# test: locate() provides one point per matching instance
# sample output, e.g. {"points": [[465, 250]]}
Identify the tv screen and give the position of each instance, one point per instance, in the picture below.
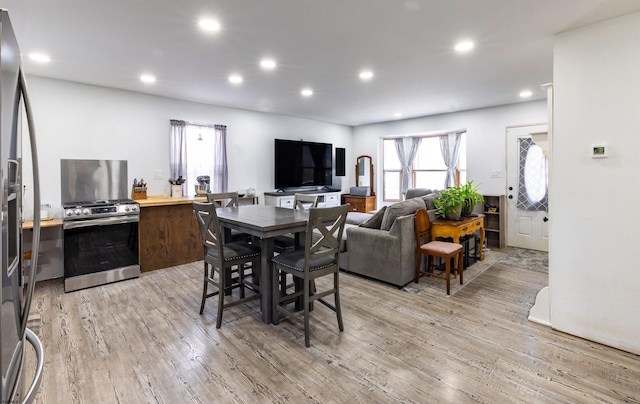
{"points": [[302, 164]]}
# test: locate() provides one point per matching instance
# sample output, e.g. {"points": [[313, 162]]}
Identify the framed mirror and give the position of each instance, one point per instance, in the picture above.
{"points": [[364, 172]]}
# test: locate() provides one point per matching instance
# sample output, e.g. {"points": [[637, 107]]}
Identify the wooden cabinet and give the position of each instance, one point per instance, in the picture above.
{"points": [[360, 203], [495, 221], [169, 236]]}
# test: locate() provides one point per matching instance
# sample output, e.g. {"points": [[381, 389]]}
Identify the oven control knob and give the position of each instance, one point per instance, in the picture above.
{"points": [[69, 212], [77, 212], [126, 209], [134, 208], [85, 211]]}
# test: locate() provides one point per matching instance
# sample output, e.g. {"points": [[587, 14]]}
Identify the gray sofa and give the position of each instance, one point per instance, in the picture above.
{"points": [[382, 245]]}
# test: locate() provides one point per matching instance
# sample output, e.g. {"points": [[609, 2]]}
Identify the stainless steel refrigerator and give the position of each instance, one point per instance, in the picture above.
{"points": [[17, 287]]}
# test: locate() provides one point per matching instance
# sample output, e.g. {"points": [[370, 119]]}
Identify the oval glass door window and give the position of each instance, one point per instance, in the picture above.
{"points": [[535, 174]]}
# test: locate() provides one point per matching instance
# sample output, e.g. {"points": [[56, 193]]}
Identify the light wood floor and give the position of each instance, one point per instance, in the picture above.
{"points": [[143, 341]]}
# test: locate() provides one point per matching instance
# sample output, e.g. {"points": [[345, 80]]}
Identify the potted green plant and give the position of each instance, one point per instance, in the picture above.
{"points": [[469, 193], [449, 204]]}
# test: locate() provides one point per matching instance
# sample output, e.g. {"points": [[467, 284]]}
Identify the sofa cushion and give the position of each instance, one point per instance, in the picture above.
{"points": [[375, 221], [403, 208], [357, 217], [416, 192]]}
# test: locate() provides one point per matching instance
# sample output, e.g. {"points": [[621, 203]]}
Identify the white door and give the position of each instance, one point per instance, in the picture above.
{"points": [[527, 190]]}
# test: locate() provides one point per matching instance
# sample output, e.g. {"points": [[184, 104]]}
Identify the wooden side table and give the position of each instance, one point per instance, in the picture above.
{"points": [[455, 229]]}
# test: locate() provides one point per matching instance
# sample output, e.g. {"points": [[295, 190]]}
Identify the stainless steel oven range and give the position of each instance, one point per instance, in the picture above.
{"points": [[100, 242]]}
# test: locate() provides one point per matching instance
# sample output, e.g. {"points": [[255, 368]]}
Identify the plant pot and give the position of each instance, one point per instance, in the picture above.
{"points": [[467, 209], [454, 213]]}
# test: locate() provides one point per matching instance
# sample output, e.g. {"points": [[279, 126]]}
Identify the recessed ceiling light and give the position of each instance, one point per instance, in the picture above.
{"points": [[366, 75], [39, 57], [209, 25], [307, 92], [397, 115], [148, 78], [268, 64], [235, 79], [464, 46], [526, 94]]}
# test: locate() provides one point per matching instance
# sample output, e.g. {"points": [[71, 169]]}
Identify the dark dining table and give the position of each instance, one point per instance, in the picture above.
{"points": [[264, 222]]}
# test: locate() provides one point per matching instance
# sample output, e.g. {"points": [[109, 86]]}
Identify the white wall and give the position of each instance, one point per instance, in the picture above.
{"points": [[76, 121], [486, 137], [594, 271]]}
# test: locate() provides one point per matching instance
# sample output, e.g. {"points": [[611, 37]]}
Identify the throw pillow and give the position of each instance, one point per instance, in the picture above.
{"points": [[375, 221], [408, 207], [428, 201]]}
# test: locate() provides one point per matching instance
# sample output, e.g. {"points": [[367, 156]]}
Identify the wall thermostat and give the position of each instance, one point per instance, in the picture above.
{"points": [[599, 151]]}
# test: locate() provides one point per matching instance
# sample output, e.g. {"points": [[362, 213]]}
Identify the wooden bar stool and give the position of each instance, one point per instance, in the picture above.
{"points": [[442, 249]]}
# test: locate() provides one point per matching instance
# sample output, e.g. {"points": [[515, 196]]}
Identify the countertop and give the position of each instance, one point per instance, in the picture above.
{"points": [[161, 200], [28, 224]]}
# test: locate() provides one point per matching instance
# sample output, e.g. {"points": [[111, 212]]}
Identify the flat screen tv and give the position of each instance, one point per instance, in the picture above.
{"points": [[302, 164]]}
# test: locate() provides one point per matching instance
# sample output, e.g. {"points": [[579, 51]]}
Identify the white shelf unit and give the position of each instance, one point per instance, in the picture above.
{"points": [[325, 200]]}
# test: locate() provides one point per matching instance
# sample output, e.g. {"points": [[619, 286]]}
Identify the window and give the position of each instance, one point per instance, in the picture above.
{"points": [[199, 150], [533, 177], [428, 169], [200, 154], [392, 177]]}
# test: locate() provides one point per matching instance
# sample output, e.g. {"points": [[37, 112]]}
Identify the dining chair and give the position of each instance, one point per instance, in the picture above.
{"points": [[441, 249], [287, 242], [221, 257], [302, 202], [223, 199], [228, 200], [320, 257]]}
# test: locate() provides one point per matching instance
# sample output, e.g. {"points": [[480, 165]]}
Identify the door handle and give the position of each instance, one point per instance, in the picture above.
{"points": [[510, 196]]}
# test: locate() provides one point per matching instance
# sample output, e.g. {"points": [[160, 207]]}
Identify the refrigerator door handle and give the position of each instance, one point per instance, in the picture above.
{"points": [[30, 336], [36, 203], [35, 384]]}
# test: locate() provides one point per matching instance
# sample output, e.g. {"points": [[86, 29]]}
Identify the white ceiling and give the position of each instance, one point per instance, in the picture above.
{"points": [[322, 44]]}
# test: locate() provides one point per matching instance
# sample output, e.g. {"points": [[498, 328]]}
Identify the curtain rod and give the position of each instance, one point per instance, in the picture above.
{"points": [[202, 125]]}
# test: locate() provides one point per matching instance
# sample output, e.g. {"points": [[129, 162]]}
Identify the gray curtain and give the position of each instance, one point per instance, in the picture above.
{"points": [[178, 150], [450, 148], [220, 171], [406, 161]]}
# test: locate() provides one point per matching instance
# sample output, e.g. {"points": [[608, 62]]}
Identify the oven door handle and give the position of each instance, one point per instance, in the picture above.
{"points": [[105, 221]]}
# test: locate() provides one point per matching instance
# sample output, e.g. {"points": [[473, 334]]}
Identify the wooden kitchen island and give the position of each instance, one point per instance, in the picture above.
{"points": [[168, 232]]}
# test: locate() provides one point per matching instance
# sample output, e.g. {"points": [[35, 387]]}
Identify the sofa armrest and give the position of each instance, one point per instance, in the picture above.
{"points": [[364, 236], [403, 226], [381, 255]]}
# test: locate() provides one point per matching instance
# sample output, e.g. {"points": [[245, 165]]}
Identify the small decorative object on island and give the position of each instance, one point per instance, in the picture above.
{"points": [[139, 189], [471, 198], [202, 187], [251, 192], [176, 186]]}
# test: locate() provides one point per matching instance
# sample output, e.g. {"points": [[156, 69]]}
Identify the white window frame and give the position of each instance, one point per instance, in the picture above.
{"points": [[460, 171]]}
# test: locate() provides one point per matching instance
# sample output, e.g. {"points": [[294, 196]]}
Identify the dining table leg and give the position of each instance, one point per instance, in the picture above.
{"points": [[266, 270]]}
